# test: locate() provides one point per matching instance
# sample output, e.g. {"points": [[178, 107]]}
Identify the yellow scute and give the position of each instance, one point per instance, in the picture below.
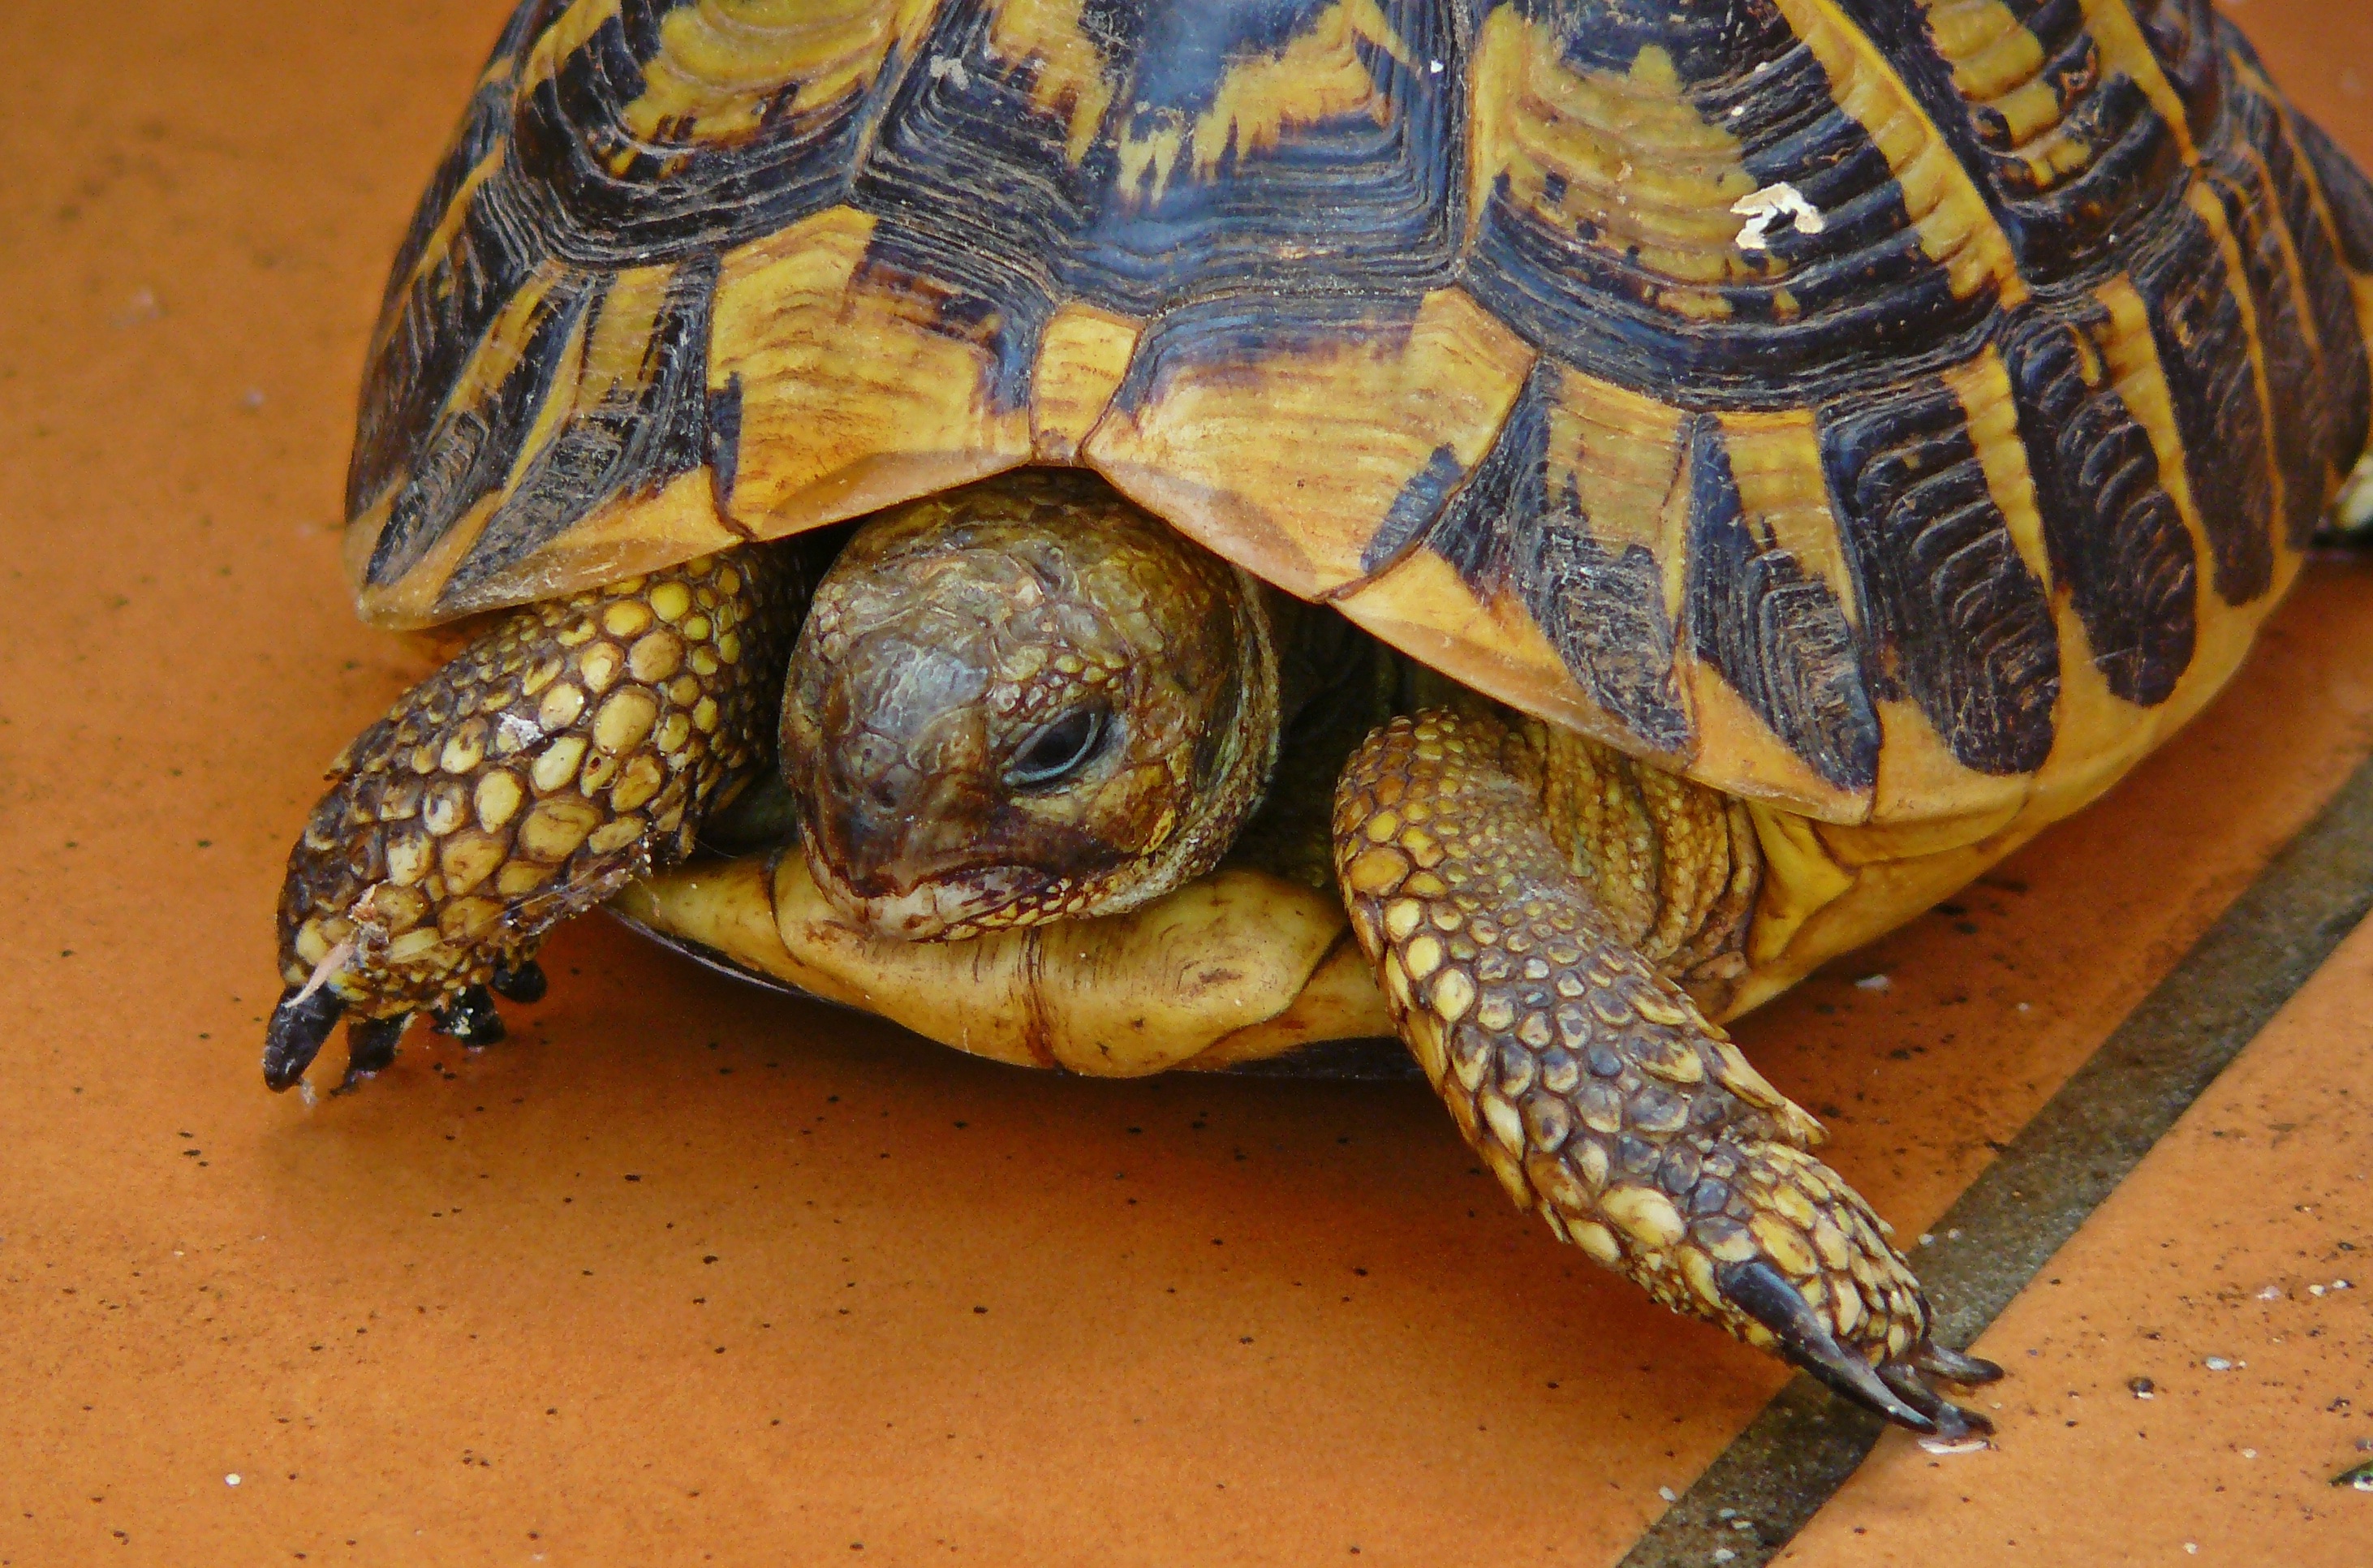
{"points": [[852, 397]]}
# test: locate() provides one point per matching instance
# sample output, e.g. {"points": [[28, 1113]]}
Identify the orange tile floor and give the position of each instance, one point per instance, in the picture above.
{"points": [[685, 1273]]}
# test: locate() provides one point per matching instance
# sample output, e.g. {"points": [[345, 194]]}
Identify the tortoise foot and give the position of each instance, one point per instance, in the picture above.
{"points": [[575, 745], [1802, 1258], [1599, 1094]]}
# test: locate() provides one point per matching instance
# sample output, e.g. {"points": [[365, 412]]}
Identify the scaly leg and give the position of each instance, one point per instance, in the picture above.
{"points": [[1594, 1090], [572, 746]]}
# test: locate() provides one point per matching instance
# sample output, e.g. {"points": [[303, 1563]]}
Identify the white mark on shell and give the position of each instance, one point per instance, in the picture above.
{"points": [[1765, 208]]}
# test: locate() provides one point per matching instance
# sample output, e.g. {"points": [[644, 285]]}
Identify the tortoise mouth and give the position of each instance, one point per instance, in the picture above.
{"points": [[946, 906]]}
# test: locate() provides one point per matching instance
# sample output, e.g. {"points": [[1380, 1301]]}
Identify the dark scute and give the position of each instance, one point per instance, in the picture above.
{"points": [[1188, 48], [1901, 33], [606, 199], [1355, 202], [724, 433], [2203, 351], [2304, 430], [2064, 227], [1420, 501], [469, 450], [430, 335], [2341, 408], [2072, 232], [631, 443], [1951, 615], [973, 197], [2345, 190], [2183, 35], [1777, 634], [1863, 299], [2346, 403], [1603, 609], [485, 124], [2114, 537], [1481, 532]]}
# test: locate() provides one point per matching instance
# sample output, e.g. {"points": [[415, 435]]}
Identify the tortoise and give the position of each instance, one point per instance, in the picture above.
{"points": [[1522, 525]]}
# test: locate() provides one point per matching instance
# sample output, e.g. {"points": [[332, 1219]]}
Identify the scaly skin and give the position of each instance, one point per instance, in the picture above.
{"points": [[953, 634], [572, 746], [1594, 1088]]}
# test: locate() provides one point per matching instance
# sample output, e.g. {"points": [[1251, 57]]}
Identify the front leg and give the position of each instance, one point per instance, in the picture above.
{"points": [[575, 745], [1594, 1090]]}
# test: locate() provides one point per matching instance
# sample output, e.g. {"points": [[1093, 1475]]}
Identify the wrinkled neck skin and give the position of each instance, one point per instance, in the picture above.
{"points": [[1025, 701]]}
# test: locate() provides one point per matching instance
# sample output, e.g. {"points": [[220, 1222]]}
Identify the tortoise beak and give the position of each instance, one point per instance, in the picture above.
{"points": [[932, 909], [901, 825]]}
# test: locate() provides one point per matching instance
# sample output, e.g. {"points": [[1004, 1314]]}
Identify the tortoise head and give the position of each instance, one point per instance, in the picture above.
{"points": [[1026, 701]]}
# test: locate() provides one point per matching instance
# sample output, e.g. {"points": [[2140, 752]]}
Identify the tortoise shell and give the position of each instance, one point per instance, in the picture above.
{"points": [[1865, 406]]}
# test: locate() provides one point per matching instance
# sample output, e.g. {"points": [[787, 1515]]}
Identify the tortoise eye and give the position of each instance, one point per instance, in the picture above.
{"points": [[1059, 750]]}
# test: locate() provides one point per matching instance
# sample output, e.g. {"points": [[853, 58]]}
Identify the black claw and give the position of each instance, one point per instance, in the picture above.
{"points": [[1952, 1423], [294, 1036], [1953, 1367], [523, 984], [470, 1018], [1764, 1293], [370, 1048]]}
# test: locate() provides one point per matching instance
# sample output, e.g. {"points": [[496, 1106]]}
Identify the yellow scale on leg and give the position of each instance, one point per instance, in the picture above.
{"points": [[571, 746], [1594, 1088]]}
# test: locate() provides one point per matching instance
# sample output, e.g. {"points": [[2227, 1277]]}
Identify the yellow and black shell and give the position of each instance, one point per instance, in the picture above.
{"points": [[1883, 409]]}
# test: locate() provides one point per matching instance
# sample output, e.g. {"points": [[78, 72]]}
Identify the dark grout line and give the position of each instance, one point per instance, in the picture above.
{"points": [[1795, 1455]]}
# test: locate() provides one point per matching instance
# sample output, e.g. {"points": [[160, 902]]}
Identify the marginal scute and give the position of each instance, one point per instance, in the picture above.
{"points": [[1225, 405], [2118, 543], [2279, 140], [1082, 355], [2202, 323], [620, 424], [1423, 607], [1572, 525], [1783, 709], [2311, 348], [400, 548], [1953, 617]]}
